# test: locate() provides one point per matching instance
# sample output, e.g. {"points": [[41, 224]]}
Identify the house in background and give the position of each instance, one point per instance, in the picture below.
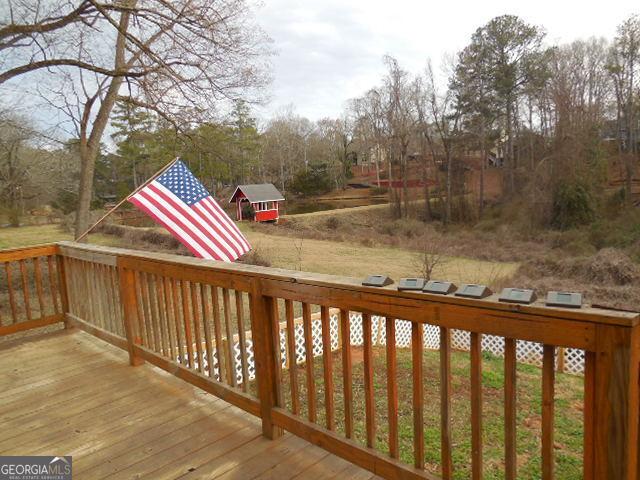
{"points": [[262, 200]]}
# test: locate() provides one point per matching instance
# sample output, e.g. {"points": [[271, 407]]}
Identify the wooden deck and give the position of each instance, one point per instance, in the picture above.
{"points": [[72, 394]]}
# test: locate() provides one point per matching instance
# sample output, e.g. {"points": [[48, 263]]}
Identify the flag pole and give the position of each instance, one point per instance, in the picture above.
{"points": [[149, 180]]}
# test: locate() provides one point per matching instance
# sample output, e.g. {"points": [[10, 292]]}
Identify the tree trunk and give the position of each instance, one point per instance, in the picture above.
{"points": [[405, 188], [447, 216], [135, 174], [509, 152], [392, 191], [89, 147], [85, 190], [427, 192], [14, 190], [483, 162], [629, 170]]}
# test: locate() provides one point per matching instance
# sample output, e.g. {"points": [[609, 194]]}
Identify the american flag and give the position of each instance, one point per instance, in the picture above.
{"points": [[180, 203]]}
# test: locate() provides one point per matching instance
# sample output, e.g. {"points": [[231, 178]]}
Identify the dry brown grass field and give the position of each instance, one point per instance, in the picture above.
{"points": [[323, 256]]}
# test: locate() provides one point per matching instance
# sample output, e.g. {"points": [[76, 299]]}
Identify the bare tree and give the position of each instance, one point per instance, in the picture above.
{"points": [[401, 121], [338, 137], [431, 255], [14, 174], [286, 141], [444, 118], [28, 170], [623, 67], [178, 58], [371, 127]]}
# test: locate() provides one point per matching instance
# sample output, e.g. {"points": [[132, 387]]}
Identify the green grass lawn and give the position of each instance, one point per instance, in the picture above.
{"points": [[568, 420], [14, 237]]}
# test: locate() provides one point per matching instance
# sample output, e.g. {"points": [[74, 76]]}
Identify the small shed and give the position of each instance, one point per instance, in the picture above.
{"points": [[264, 199]]}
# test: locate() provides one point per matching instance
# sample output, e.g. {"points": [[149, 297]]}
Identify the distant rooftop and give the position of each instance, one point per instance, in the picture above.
{"points": [[262, 192]]}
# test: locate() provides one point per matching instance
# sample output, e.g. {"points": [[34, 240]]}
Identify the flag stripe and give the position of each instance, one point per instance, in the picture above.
{"points": [[179, 218], [216, 210], [232, 226], [176, 219], [186, 231], [224, 229], [207, 228], [149, 208]]}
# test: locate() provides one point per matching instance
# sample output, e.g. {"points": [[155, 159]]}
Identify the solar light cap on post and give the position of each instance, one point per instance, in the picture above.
{"points": [[472, 290], [412, 284], [564, 299], [518, 295], [439, 288], [377, 281]]}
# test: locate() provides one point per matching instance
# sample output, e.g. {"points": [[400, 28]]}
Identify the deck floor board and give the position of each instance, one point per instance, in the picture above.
{"points": [[68, 393]]}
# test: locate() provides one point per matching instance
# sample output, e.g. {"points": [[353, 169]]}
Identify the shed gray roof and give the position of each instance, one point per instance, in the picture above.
{"points": [[263, 192]]}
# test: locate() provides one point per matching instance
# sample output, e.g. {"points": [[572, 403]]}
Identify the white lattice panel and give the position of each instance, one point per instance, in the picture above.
{"points": [[529, 352], [355, 320], [300, 351], [431, 337], [216, 365], [283, 348], [460, 340], [251, 369], [493, 344], [574, 361], [403, 334], [335, 331], [526, 352]]}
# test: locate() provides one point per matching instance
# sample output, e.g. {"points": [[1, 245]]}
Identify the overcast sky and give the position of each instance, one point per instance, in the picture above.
{"points": [[329, 51]]}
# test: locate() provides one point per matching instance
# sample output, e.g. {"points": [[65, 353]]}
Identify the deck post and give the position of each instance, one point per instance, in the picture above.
{"points": [[615, 420], [129, 299], [64, 292], [265, 330]]}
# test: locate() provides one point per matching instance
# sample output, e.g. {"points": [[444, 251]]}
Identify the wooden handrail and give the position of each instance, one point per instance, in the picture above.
{"points": [[186, 316], [238, 272]]}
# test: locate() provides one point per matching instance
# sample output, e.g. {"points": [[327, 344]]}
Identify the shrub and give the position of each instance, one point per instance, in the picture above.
{"points": [[617, 200], [634, 252], [573, 206], [379, 191], [256, 257], [248, 212], [112, 229], [367, 242], [333, 223], [66, 201], [622, 231], [314, 180], [409, 227], [403, 227]]}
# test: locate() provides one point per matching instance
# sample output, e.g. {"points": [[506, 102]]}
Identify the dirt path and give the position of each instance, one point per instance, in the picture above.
{"points": [[339, 210]]}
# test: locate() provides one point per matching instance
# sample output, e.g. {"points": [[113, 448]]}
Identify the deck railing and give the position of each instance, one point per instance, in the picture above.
{"points": [[31, 290], [280, 345]]}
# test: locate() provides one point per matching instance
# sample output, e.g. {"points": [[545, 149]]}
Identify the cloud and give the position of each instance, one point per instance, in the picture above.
{"points": [[326, 55], [331, 51]]}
